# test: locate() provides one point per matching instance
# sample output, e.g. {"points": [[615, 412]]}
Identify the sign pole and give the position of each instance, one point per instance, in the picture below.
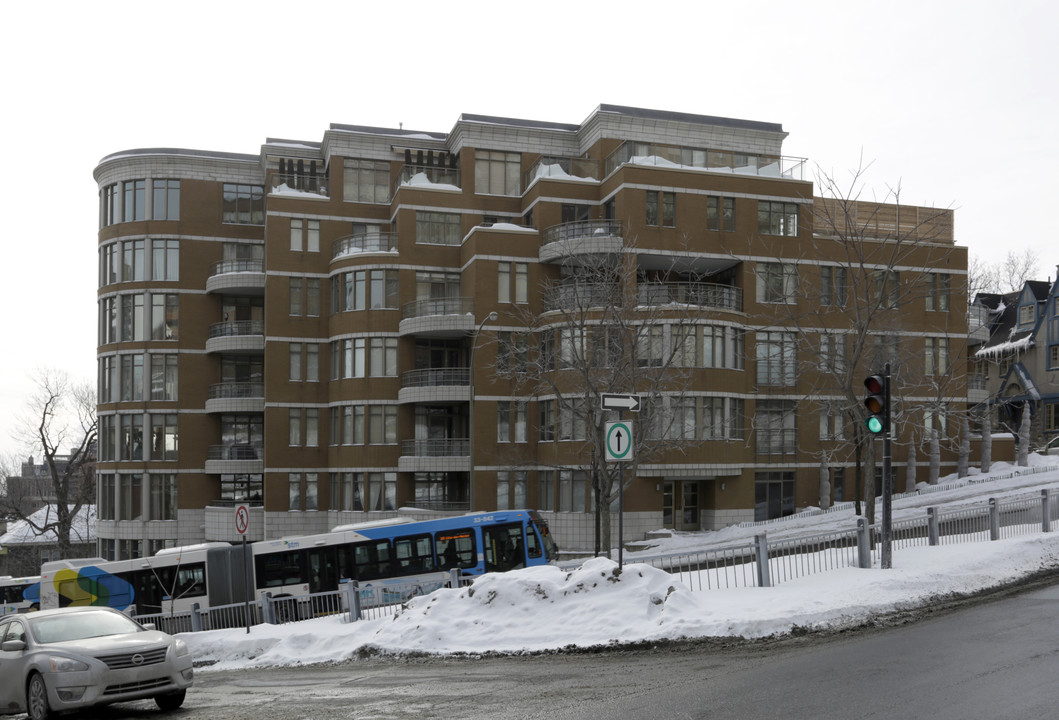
{"points": [[621, 503], [242, 526]]}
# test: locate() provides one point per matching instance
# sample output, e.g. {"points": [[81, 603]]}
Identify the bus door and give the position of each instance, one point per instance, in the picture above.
{"points": [[323, 573], [504, 547]]}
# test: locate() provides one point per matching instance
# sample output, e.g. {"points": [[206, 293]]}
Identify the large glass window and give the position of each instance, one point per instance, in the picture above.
{"points": [[163, 497], [777, 283], [165, 259], [661, 208], [243, 204], [164, 436], [130, 496], [720, 213], [887, 287], [777, 218], [773, 495], [937, 292], [384, 289], [775, 425], [164, 376], [166, 200], [165, 316], [134, 199], [366, 181], [497, 173], [131, 377], [776, 355], [833, 286], [936, 360], [108, 205], [437, 228]]}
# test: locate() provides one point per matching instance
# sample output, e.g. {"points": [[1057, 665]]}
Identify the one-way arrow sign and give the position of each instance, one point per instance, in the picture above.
{"points": [[612, 401]]}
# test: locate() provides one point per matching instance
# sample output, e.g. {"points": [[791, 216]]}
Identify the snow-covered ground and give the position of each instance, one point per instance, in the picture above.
{"points": [[546, 608]]}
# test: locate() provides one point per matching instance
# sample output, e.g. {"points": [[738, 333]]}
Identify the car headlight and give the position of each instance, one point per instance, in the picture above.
{"points": [[59, 663], [181, 647]]}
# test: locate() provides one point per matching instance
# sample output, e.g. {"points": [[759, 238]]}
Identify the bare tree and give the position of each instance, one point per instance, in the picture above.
{"points": [[1009, 275], [606, 329], [848, 324], [59, 424]]}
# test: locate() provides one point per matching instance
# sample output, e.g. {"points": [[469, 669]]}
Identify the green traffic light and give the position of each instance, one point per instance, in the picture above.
{"points": [[874, 424]]}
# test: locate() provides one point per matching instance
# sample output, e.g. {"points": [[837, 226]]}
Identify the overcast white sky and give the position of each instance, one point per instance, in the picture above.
{"points": [[956, 101]]}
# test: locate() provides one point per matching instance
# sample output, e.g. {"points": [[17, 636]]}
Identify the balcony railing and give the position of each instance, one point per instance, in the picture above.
{"points": [[228, 390], [777, 442], [428, 176], [581, 229], [436, 377], [436, 447], [578, 296], [237, 329], [561, 168], [429, 307], [365, 243], [304, 183], [235, 452], [237, 266], [976, 382], [724, 161], [723, 297]]}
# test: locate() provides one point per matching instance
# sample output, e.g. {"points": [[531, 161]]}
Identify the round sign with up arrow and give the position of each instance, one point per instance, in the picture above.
{"points": [[618, 441]]}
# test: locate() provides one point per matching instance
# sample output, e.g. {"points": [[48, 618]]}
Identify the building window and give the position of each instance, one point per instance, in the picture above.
{"points": [[773, 495], [132, 262], [777, 283], [887, 287], [936, 360], [365, 181], [512, 352], [107, 491], [1051, 417], [294, 427], [349, 291], [661, 208], [497, 173], [107, 389], [243, 204], [108, 434], [294, 491], [720, 214], [650, 346], [134, 199], [296, 231], [937, 292], [295, 356], [295, 296], [164, 376], [345, 491], [383, 357], [572, 490], [832, 422], [166, 200], [164, 437], [510, 489], [707, 418], [437, 228], [382, 424], [165, 259], [546, 426], [130, 496], [503, 282], [723, 347], [1027, 314], [312, 362], [833, 286], [131, 377], [312, 427], [108, 205], [546, 490], [832, 353], [312, 297], [936, 418], [777, 218], [384, 289], [1053, 354], [776, 355], [165, 316]]}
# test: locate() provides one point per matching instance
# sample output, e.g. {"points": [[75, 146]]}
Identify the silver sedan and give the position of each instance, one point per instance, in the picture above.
{"points": [[57, 660]]}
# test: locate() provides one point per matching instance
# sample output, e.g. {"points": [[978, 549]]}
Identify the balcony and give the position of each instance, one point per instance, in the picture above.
{"points": [[977, 392], [300, 184], [429, 177], [560, 168], [574, 297], [238, 459], [705, 160], [245, 336], [237, 277], [435, 455], [585, 239], [234, 397], [370, 242], [438, 317], [978, 321], [435, 385], [704, 295]]}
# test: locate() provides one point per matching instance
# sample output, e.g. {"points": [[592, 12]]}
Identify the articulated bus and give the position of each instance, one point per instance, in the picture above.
{"points": [[19, 594], [212, 574]]}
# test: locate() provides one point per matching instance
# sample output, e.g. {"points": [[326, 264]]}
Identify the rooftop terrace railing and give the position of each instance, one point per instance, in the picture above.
{"points": [[721, 161]]}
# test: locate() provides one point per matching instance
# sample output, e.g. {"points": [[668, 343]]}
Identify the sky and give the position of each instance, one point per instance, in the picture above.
{"points": [[952, 102], [549, 608]]}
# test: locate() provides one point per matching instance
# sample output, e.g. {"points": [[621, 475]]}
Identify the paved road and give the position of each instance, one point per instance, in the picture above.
{"points": [[998, 659]]}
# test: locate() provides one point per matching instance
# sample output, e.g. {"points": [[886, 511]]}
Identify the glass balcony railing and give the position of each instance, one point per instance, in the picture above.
{"points": [[235, 452], [723, 161], [237, 329], [581, 229], [429, 307], [365, 243], [231, 390], [723, 297], [436, 377], [562, 168], [428, 176], [295, 183], [436, 447], [237, 266]]}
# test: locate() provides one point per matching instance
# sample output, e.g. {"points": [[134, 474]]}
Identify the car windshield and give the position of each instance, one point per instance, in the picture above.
{"points": [[80, 626]]}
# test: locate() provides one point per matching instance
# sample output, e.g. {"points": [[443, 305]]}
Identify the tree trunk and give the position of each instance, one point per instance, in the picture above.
{"points": [[1024, 436], [825, 484], [910, 472], [987, 440], [935, 457], [965, 448], [869, 482]]}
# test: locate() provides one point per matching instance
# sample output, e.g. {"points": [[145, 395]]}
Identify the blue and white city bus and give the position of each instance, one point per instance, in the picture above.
{"points": [[19, 594]]}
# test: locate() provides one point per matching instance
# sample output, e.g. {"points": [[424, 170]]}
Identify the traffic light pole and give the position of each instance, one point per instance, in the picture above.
{"points": [[886, 559]]}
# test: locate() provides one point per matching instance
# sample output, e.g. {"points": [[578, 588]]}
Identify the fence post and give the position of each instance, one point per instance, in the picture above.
{"points": [[454, 579], [863, 544], [933, 532], [994, 520], [268, 612], [1046, 512], [196, 618], [353, 600], [761, 550]]}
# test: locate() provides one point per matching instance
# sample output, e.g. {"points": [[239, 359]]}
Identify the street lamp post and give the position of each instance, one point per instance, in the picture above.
{"points": [[491, 317]]}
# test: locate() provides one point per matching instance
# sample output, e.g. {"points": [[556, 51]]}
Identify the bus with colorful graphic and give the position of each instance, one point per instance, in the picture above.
{"points": [[371, 553], [19, 594]]}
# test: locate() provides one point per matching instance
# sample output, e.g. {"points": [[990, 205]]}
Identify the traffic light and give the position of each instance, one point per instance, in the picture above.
{"points": [[877, 401]]}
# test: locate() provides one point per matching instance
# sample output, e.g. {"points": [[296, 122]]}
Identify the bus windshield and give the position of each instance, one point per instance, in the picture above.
{"points": [[551, 550]]}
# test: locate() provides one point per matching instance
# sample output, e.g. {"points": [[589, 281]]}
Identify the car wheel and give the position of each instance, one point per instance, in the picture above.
{"points": [[171, 701], [37, 698]]}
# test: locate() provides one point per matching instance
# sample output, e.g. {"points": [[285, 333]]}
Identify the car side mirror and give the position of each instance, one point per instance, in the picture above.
{"points": [[13, 646], [149, 626]]}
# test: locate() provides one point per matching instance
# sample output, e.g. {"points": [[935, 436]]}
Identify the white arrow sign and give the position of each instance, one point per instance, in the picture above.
{"points": [[611, 401]]}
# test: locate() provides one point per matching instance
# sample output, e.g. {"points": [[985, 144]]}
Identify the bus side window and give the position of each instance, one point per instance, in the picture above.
{"points": [[533, 543], [414, 554], [191, 581], [373, 559], [456, 549]]}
